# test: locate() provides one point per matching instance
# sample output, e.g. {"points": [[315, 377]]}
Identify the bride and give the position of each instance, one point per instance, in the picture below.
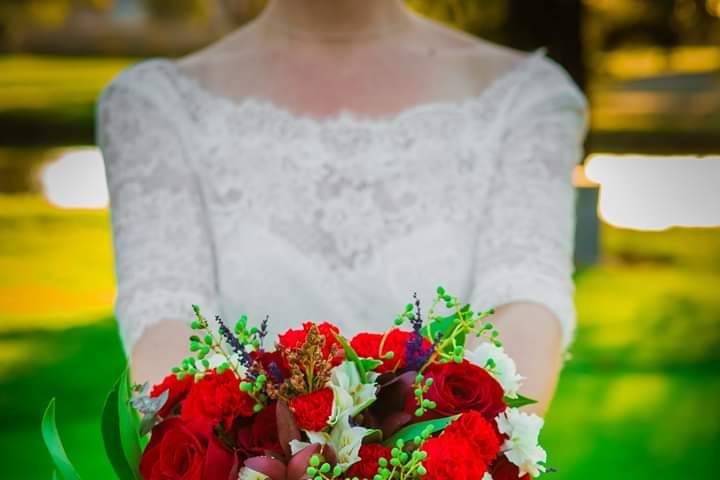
{"points": [[329, 159]]}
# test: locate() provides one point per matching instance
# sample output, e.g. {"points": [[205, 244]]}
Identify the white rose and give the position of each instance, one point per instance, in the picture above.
{"points": [[521, 447], [501, 367]]}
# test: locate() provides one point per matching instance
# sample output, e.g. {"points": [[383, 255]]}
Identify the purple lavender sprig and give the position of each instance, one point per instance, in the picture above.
{"points": [[263, 331], [237, 346]]}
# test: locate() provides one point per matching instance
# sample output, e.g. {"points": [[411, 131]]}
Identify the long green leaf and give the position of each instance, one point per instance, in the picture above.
{"points": [[111, 436], [518, 402], [129, 424], [411, 431], [52, 440]]}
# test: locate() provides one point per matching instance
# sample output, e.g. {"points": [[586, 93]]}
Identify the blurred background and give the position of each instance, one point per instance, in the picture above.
{"points": [[638, 399]]}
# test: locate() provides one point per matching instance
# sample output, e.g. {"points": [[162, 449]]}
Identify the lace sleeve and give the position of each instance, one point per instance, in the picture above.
{"points": [[525, 246], [163, 256]]}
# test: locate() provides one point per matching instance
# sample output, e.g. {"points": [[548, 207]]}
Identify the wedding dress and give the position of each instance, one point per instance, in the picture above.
{"points": [[241, 206]]}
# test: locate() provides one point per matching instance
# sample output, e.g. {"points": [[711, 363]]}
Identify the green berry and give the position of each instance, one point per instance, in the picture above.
{"points": [[315, 460]]}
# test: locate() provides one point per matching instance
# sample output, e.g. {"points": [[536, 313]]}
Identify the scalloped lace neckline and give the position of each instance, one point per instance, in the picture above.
{"points": [[346, 116]]}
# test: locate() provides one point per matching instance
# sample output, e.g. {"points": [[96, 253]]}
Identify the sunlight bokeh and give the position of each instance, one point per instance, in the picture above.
{"points": [[657, 192], [76, 179]]}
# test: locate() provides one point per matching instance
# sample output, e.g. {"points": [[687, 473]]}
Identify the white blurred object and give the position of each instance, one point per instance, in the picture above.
{"points": [[657, 192], [76, 179]]}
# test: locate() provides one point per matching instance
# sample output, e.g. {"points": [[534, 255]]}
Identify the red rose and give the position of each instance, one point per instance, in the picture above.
{"points": [[259, 435], [313, 410], [479, 432], [503, 469], [367, 466], [177, 391], [368, 345], [296, 338], [451, 456], [459, 388], [217, 398], [186, 451]]}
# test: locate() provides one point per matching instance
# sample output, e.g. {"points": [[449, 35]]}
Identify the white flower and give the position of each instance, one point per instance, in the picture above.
{"points": [[351, 395], [344, 439], [249, 474], [502, 367], [521, 447], [487, 476]]}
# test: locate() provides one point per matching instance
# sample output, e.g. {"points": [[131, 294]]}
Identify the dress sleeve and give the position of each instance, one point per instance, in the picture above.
{"points": [[525, 245], [164, 259]]}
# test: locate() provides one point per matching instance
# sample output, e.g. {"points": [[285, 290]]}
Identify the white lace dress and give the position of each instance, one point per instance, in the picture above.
{"points": [[244, 207]]}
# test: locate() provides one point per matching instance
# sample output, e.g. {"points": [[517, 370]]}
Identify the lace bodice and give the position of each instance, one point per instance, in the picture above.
{"points": [[244, 207]]}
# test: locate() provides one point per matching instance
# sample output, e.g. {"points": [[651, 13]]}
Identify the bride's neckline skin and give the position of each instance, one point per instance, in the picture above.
{"points": [[349, 116]]}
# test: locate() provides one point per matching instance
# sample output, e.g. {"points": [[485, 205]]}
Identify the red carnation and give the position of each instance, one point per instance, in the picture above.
{"points": [[461, 387], [368, 345], [296, 338], [217, 398], [313, 410], [258, 435], [479, 432], [452, 456], [367, 467], [503, 469], [177, 391], [186, 451], [267, 360]]}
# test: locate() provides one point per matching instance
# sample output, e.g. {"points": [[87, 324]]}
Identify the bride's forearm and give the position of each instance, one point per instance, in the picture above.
{"points": [[161, 347], [531, 335]]}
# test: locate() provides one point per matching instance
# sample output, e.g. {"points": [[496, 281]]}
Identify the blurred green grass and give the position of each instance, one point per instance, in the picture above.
{"points": [[636, 401]]}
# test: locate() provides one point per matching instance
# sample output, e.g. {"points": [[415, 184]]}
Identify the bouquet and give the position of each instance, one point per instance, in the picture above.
{"points": [[408, 403]]}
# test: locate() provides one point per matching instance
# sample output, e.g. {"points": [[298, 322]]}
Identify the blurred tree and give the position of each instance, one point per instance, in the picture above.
{"points": [[555, 24], [172, 9]]}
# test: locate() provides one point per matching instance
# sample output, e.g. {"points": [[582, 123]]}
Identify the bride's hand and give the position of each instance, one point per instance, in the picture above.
{"points": [[162, 346]]}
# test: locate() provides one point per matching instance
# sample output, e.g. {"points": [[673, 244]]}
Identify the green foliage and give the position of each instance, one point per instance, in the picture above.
{"points": [[518, 402], [111, 437], [419, 430], [55, 446]]}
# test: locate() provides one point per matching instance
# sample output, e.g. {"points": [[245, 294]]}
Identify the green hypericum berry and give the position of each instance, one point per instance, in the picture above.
{"points": [[395, 462], [458, 359], [409, 307], [257, 407], [315, 460], [208, 339], [440, 291], [337, 471], [195, 325], [418, 377], [180, 376], [382, 461], [421, 470], [497, 343], [419, 412], [417, 440], [245, 386], [261, 379], [404, 457], [206, 363], [311, 471], [418, 392], [427, 403], [399, 321], [221, 369], [325, 467], [175, 369], [488, 326], [429, 382], [389, 355]]}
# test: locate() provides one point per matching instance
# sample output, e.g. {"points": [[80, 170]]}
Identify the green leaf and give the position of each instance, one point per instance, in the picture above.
{"points": [[351, 355], [370, 364], [111, 436], [440, 324], [129, 423], [518, 402], [413, 430], [52, 440]]}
